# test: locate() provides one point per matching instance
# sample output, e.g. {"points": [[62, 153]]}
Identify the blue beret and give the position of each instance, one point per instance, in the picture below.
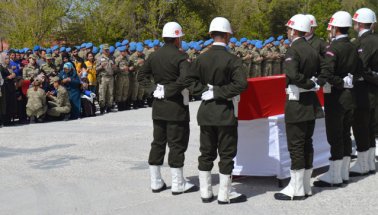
{"points": [[132, 47], [68, 49], [139, 44], [280, 37], [156, 42], [185, 46], [146, 42], [118, 44], [233, 40], [122, 48], [287, 42], [36, 48], [259, 45], [95, 50], [151, 45], [48, 51], [83, 45], [200, 42], [139, 48], [197, 47], [207, 43], [125, 42], [238, 43], [89, 45], [242, 40], [111, 49], [276, 43], [62, 49]]}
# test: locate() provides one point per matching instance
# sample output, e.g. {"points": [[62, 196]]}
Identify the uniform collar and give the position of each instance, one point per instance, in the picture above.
{"points": [[341, 36], [219, 44], [310, 37], [296, 39], [363, 32]]}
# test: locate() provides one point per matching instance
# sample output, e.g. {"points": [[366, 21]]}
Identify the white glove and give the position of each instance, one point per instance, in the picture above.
{"points": [[209, 94], [316, 87], [185, 95], [293, 92], [159, 92], [348, 81], [327, 88], [235, 102]]}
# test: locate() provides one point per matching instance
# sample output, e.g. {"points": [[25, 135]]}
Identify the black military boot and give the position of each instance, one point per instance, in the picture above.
{"points": [[135, 105], [102, 110], [127, 105], [120, 106]]}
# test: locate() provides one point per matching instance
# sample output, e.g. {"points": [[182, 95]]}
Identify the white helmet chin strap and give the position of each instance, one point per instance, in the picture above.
{"points": [[333, 32], [292, 34]]}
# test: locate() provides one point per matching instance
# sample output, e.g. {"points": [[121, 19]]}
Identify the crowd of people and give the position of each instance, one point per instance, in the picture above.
{"points": [[61, 83]]}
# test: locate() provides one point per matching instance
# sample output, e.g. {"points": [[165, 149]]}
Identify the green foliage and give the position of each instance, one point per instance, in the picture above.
{"points": [[28, 22]]}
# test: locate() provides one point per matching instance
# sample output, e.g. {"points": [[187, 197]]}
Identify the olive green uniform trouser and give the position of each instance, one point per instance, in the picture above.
{"points": [[176, 134]]}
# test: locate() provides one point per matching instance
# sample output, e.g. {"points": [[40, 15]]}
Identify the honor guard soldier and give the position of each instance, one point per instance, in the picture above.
{"points": [[219, 76], [340, 68], [319, 45], [364, 117], [301, 65], [170, 110]]}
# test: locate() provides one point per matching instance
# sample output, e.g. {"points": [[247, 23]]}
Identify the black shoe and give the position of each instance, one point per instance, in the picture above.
{"points": [[108, 110], [326, 184], [127, 105], [345, 181], [207, 200], [141, 103], [191, 190], [239, 199], [283, 197], [164, 187], [119, 106], [357, 174], [372, 172], [135, 105], [102, 110]]}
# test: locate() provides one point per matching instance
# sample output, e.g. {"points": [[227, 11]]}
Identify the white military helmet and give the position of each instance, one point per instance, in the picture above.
{"points": [[365, 15], [220, 24], [340, 19], [312, 20], [300, 22], [172, 30]]}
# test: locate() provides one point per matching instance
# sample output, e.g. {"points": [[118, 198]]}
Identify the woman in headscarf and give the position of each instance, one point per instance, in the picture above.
{"points": [[8, 91], [71, 82]]}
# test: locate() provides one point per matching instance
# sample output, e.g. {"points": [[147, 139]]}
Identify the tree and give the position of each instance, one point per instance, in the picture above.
{"points": [[29, 22]]}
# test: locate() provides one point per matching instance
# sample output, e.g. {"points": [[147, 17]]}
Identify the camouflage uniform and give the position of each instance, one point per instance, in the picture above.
{"points": [[104, 69], [122, 81], [137, 92], [244, 53], [267, 66], [30, 72], [36, 105], [49, 68], [276, 69], [60, 104], [256, 64]]}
